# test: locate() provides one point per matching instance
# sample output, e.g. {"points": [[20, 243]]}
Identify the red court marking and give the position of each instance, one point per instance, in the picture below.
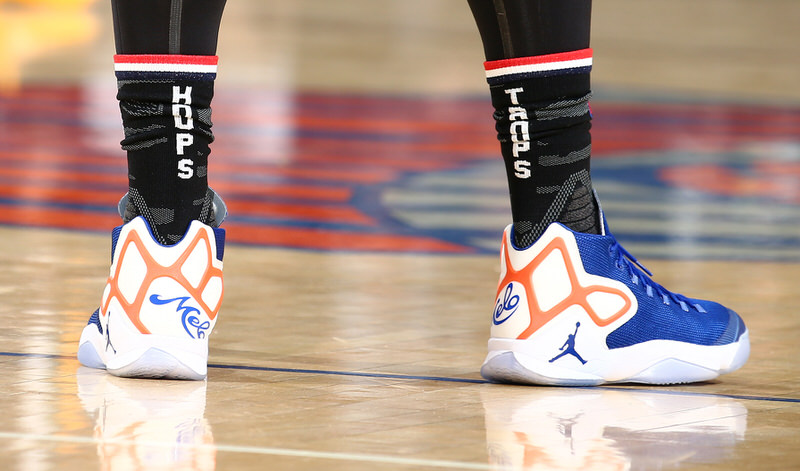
{"points": [[396, 164], [779, 169], [58, 218], [54, 93], [234, 172], [301, 212], [32, 176], [57, 156], [418, 125], [702, 114], [222, 170], [232, 190], [47, 177], [65, 195], [334, 214], [326, 148], [726, 181], [325, 239]]}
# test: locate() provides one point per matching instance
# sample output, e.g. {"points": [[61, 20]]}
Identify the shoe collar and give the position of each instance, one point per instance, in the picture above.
{"points": [[219, 210]]}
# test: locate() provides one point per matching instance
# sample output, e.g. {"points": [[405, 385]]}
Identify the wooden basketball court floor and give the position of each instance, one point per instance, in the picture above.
{"points": [[355, 147]]}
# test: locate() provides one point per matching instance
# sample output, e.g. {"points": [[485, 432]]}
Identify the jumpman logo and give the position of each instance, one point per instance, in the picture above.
{"points": [[108, 334], [569, 347]]}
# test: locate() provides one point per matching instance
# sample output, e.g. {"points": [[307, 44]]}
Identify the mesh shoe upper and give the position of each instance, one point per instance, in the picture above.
{"points": [[662, 315]]}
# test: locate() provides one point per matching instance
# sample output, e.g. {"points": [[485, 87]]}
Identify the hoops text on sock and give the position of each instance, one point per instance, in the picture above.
{"points": [[182, 112], [520, 133]]}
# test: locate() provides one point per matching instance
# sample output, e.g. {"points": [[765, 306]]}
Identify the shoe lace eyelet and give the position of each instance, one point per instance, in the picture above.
{"points": [[699, 308]]}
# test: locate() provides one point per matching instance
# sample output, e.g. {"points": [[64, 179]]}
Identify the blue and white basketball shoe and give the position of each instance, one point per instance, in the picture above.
{"points": [[578, 309], [160, 303]]}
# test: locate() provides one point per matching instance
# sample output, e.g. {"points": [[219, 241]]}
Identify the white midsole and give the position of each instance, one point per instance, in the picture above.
{"points": [[621, 364], [128, 347]]}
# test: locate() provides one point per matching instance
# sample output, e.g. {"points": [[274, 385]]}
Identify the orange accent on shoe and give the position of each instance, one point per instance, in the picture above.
{"points": [[155, 270], [578, 295]]}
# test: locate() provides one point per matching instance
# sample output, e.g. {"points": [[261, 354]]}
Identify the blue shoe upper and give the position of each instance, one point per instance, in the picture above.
{"points": [[94, 319], [662, 314]]}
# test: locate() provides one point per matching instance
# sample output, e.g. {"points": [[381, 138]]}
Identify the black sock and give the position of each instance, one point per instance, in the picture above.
{"points": [[543, 121], [165, 71], [538, 65], [165, 105]]}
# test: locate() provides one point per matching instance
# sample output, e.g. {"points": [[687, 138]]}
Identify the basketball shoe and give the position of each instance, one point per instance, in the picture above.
{"points": [[160, 303], [578, 309]]}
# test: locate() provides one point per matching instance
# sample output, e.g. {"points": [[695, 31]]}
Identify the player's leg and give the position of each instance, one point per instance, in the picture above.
{"points": [[165, 67], [560, 265], [538, 64], [165, 283]]}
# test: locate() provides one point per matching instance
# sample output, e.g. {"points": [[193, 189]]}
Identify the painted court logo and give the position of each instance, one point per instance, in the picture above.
{"points": [[188, 317], [569, 347]]}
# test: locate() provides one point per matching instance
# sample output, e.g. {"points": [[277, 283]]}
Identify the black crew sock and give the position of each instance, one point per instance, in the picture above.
{"points": [[538, 70], [166, 66], [543, 121], [165, 105]]}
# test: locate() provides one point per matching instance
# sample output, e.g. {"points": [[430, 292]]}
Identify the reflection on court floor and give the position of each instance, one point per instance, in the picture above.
{"points": [[147, 424], [604, 429], [161, 425]]}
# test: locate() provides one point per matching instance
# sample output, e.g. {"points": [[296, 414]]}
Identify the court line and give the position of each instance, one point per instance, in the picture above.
{"points": [[434, 378], [385, 459], [351, 373]]}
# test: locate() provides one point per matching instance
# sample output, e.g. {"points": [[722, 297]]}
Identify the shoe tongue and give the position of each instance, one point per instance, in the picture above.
{"points": [[601, 216]]}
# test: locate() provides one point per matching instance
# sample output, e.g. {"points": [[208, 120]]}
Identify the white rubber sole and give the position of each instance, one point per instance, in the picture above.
{"points": [[156, 363], [147, 356], [90, 348], [654, 362]]}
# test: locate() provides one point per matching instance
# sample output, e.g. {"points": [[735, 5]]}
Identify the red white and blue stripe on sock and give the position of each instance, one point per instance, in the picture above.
{"points": [[520, 68], [165, 66]]}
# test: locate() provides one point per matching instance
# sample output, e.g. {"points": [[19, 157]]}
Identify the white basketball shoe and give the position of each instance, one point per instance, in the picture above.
{"points": [[160, 303]]}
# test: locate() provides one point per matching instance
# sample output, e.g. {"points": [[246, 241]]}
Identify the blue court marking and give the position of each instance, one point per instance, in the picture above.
{"points": [[352, 373], [435, 378]]}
